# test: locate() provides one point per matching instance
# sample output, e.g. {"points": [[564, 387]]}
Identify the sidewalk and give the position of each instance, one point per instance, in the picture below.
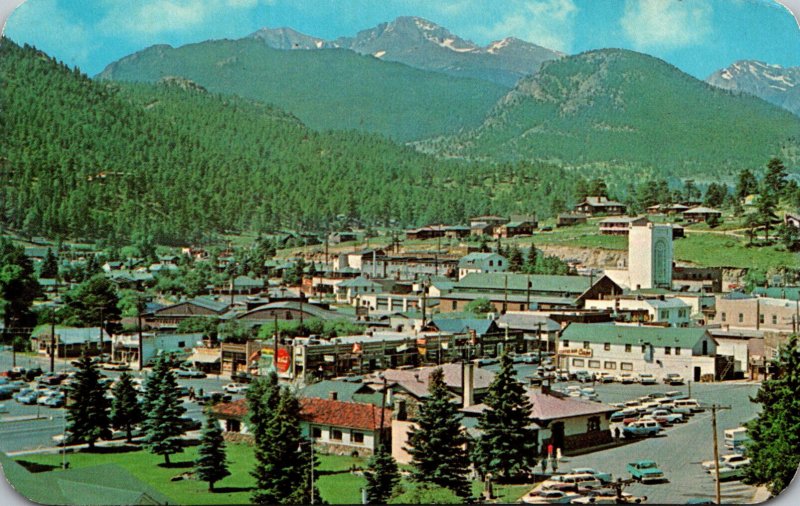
{"points": [[23, 418]]}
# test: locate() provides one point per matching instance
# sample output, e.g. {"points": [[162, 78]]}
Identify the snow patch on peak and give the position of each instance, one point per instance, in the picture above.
{"points": [[498, 45], [424, 25], [379, 54]]}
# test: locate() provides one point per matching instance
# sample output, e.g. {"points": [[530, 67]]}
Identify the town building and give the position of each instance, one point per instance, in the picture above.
{"points": [[125, 347], [171, 316], [759, 313], [690, 352], [538, 331], [594, 206], [481, 263], [570, 219], [70, 341], [662, 310], [348, 290], [701, 214], [619, 225], [650, 254]]}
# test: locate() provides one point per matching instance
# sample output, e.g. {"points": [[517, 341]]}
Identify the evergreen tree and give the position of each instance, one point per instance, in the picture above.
{"points": [[774, 180], [765, 211], [507, 446], [775, 433], [211, 465], [49, 269], [515, 259], [126, 410], [437, 443], [530, 260], [18, 286], [598, 188], [746, 184], [94, 301], [382, 476], [284, 462], [163, 409], [87, 412]]}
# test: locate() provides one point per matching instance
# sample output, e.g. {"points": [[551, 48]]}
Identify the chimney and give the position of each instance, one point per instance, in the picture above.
{"points": [[399, 412], [468, 391], [334, 396]]}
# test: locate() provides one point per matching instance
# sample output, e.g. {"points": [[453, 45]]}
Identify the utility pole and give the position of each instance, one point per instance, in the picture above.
{"points": [[528, 294], [714, 408], [102, 321], [383, 410], [53, 340], [141, 340], [539, 340], [505, 294]]}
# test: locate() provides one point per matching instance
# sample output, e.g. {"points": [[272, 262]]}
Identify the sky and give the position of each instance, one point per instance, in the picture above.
{"points": [[697, 36]]}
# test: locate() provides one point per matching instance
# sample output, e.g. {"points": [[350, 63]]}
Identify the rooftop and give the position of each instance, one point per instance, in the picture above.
{"points": [[633, 334]]}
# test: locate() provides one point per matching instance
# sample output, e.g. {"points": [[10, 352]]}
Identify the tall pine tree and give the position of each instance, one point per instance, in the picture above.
{"points": [[507, 447], [515, 259], [87, 412], [211, 465], [775, 433], [163, 409], [382, 476], [437, 442], [262, 402], [126, 410]]}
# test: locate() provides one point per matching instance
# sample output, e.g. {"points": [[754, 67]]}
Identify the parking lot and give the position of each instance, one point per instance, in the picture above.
{"points": [[32, 427], [680, 449]]}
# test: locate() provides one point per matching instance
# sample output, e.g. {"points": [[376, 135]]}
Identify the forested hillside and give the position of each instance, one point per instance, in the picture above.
{"points": [[617, 108], [85, 159], [327, 89]]}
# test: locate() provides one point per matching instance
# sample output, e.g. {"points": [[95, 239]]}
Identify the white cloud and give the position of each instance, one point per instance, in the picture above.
{"points": [[151, 17], [548, 23], [666, 24], [58, 34]]}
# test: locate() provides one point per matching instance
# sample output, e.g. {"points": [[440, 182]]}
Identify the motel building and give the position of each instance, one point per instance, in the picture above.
{"points": [[616, 349]]}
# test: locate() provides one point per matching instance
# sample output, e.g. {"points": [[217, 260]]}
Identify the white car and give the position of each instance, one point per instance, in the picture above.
{"points": [[626, 378], [604, 377], [726, 460], [549, 497], [235, 388], [647, 379], [673, 379]]}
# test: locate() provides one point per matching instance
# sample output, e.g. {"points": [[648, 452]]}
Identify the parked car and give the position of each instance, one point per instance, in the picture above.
{"points": [[687, 406], [584, 376], [190, 373], [115, 366], [676, 395], [609, 496], [730, 471], [33, 373], [235, 388], [641, 428], [574, 482], [619, 416], [604, 377], [645, 471], [666, 417], [27, 396], [735, 439], [647, 378], [54, 401], [590, 394], [52, 378], [603, 477], [190, 424], [543, 496], [673, 379], [626, 378], [726, 460]]}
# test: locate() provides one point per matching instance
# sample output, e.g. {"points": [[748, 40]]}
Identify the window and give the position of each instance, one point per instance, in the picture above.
{"points": [[644, 348], [577, 362], [627, 348], [565, 343], [667, 350], [594, 364], [774, 319], [586, 344], [677, 351], [358, 437], [499, 263], [522, 307], [181, 344], [491, 263], [316, 432], [593, 424], [233, 425], [664, 314], [336, 434], [626, 366], [607, 346], [288, 315], [610, 365], [455, 305], [741, 317], [724, 317], [761, 318]]}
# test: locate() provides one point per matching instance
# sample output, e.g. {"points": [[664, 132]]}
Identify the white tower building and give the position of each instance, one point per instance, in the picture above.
{"points": [[650, 256]]}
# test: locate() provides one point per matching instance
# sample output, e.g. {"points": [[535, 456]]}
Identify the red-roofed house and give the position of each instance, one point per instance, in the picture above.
{"points": [[335, 426]]}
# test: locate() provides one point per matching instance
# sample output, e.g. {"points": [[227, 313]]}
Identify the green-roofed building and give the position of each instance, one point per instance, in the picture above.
{"points": [[779, 292], [346, 391], [107, 484], [577, 287], [637, 349]]}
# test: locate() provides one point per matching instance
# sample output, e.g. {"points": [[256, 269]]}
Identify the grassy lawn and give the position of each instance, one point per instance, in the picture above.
{"points": [[334, 480], [337, 485]]}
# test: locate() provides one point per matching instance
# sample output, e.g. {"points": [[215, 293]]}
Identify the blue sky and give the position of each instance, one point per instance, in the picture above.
{"points": [[698, 36]]}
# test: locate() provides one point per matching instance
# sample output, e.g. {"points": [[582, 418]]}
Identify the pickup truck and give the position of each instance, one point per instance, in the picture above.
{"points": [[641, 428], [645, 471]]}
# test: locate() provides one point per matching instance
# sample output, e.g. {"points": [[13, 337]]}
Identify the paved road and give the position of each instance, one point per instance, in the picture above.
{"points": [[683, 447]]}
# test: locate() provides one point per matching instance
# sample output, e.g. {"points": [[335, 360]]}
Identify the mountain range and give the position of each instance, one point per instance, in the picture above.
{"points": [[424, 45], [773, 83]]}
